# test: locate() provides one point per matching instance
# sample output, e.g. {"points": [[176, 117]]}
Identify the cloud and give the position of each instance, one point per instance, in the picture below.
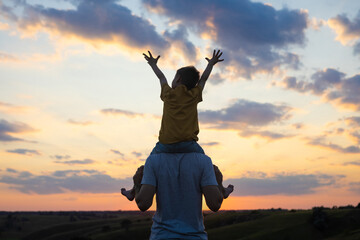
{"points": [[4, 26], [136, 154], [95, 21], [82, 181], [332, 85], [316, 24], [248, 118], [347, 30], [10, 170], [321, 142], [216, 79], [353, 163], [245, 113], [264, 134], [114, 111], [118, 153], [357, 48], [82, 123], [295, 184], [179, 39], [254, 36], [60, 157], [298, 125], [355, 136], [5, 57], [24, 151], [76, 162], [10, 108], [321, 81], [348, 93], [210, 144], [353, 121], [8, 128], [355, 187]]}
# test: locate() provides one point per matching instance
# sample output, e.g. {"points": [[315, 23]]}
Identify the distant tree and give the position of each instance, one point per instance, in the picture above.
{"points": [[319, 218], [358, 206], [347, 207], [126, 224]]}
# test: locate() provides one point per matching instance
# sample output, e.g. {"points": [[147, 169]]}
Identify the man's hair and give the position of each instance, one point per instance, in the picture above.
{"points": [[189, 76]]}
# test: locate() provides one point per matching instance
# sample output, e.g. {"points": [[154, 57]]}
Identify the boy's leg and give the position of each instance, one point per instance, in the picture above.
{"points": [[130, 194], [179, 147], [219, 178]]}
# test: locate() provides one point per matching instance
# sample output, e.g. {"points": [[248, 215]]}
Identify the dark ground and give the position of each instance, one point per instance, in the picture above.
{"points": [[318, 223]]}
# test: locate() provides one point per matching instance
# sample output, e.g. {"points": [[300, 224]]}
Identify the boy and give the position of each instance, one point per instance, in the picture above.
{"points": [[179, 125]]}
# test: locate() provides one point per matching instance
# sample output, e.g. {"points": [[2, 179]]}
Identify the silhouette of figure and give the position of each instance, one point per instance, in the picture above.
{"points": [[178, 170], [179, 125], [179, 180]]}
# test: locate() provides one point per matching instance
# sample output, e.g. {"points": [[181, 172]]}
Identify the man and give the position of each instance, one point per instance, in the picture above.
{"points": [[179, 180]]}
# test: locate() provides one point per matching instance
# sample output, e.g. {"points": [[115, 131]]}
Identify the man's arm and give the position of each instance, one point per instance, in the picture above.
{"points": [[153, 64], [213, 197], [144, 194], [211, 62]]}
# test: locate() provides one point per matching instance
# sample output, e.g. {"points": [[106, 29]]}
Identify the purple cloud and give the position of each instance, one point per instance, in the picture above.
{"points": [[107, 21], [332, 84], [245, 113], [295, 184], [83, 181], [253, 35], [321, 142], [76, 162], [8, 128], [24, 151]]}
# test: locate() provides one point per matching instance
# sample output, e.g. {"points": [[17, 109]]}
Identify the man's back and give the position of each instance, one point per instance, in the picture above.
{"points": [[178, 179]]}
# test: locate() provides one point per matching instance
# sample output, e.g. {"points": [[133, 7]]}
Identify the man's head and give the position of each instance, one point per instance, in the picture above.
{"points": [[187, 76]]}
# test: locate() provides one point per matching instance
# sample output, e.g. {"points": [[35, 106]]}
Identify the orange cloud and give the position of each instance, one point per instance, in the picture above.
{"points": [[347, 31]]}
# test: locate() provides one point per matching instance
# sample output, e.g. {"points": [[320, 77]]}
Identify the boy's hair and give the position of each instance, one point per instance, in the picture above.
{"points": [[189, 76]]}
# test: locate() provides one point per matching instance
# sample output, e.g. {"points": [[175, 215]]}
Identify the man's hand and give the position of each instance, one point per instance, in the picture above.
{"points": [[138, 176], [150, 59], [215, 58]]}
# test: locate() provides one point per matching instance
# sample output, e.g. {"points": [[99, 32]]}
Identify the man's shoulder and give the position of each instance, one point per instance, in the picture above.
{"points": [[159, 156]]}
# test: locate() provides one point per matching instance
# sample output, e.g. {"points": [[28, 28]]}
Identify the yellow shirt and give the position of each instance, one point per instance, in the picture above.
{"points": [[180, 117]]}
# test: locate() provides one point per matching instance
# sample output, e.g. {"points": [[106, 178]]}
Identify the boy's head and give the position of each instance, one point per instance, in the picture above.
{"points": [[187, 76]]}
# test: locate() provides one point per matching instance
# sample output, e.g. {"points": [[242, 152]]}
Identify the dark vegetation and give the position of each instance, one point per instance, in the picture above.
{"points": [[318, 223]]}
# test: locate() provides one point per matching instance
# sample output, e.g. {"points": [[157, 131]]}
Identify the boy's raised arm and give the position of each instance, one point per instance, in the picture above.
{"points": [[211, 62], [153, 64]]}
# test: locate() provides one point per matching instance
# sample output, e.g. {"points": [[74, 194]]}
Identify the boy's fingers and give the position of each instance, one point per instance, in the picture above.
{"points": [[219, 54], [220, 60], [150, 54], [207, 59], [158, 57], [214, 52]]}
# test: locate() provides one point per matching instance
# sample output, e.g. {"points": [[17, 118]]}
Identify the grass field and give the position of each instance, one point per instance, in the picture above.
{"points": [[318, 223]]}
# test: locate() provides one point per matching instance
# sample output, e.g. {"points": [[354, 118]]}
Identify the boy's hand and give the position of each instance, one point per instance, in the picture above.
{"points": [[215, 58], [150, 59]]}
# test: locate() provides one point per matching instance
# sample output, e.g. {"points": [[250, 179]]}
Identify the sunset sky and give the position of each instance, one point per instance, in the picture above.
{"points": [[80, 108]]}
